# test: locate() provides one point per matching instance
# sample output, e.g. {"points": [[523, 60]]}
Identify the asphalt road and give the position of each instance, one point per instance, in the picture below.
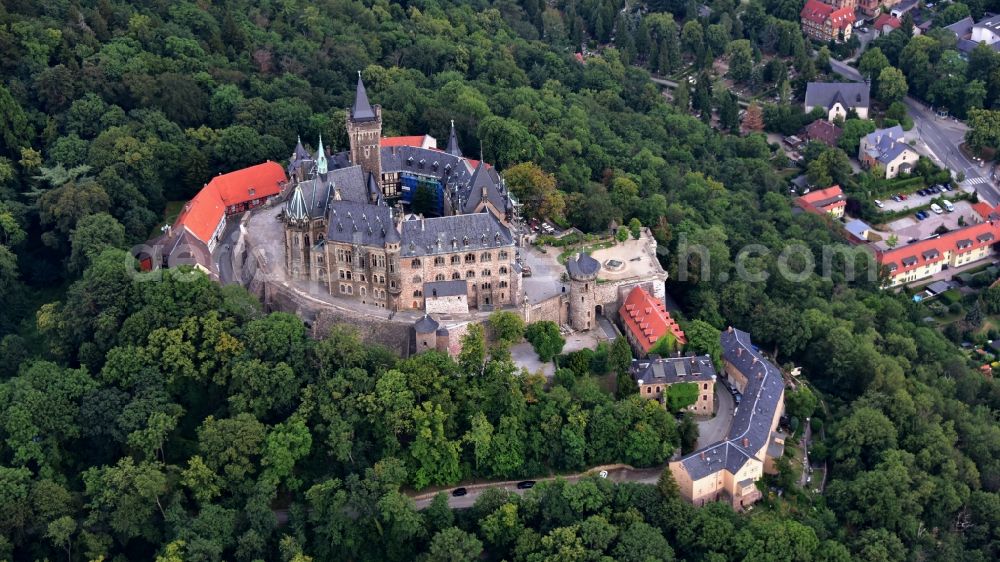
{"points": [[224, 248], [940, 137], [641, 476]]}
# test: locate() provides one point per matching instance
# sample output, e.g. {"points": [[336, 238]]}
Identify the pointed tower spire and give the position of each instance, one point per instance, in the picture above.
{"points": [[297, 210], [362, 109], [453, 148], [321, 166]]}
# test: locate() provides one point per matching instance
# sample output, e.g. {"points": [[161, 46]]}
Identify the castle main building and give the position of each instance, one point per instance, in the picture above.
{"points": [[349, 224]]}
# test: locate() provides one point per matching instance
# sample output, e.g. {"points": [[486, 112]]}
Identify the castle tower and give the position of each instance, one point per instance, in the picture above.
{"points": [[364, 130], [425, 330], [453, 148], [321, 163], [583, 310], [297, 243], [393, 268]]}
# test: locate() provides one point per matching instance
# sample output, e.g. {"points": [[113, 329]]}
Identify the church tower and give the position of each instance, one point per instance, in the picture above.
{"points": [[364, 130]]}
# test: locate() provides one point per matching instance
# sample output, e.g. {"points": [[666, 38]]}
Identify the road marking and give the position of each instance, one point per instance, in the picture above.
{"points": [[974, 181]]}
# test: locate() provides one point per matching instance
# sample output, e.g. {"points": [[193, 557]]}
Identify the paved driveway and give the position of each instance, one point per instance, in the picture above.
{"points": [[716, 429], [524, 356]]}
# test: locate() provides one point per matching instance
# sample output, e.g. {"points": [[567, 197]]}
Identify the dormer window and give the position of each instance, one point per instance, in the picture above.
{"points": [[409, 161]]}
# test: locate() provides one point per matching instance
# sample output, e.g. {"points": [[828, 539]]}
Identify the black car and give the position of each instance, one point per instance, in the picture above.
{"points": [[459, 492], [525, 484], [921, 192]]}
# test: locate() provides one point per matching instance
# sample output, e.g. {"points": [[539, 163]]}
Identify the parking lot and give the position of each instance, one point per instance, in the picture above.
{"points": [[913, 200], [909, 229]]}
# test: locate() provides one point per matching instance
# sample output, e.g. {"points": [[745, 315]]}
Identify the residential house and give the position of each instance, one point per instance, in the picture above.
{"points": [[837, 98], [983, 212], [647, 325], [970, 34], [903, 7], [857, 231], [655, 376], [199, 227], [728, 469], [824, 22], [872, 8], [885, 24], [886, 148], [830, 201], [920, 260], [823, 131]]}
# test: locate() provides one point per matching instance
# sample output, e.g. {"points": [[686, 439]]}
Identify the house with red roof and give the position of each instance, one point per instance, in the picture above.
{"points": [[886, 23], [419, 141], [200, 225], [983, 212], [920, 260], [830, 201], [647, 325], [824, 22]]}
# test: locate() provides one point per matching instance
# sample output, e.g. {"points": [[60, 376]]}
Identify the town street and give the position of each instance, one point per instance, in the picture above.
{"points": [[940, 138]]}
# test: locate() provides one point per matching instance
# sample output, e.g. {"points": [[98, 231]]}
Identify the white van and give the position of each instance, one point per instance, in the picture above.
{"points": [[948, 206], [936, 208]]}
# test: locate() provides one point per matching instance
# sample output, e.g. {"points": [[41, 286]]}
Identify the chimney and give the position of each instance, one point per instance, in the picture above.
{"points": [[754, 361], [746, 441], [739, 352], [730, 329], [421, 224], [703, 455]]}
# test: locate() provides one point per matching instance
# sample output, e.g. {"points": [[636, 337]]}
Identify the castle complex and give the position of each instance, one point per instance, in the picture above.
{"points": [[351, 223]]}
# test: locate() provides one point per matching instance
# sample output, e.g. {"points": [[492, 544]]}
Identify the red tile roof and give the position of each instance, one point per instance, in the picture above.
{"points": [[203, 213], [912, 256], [818, 13], [647, 319], [262, 180], [886, 19], [984, 210], [825, 132], [412, 140], [822, 200]]}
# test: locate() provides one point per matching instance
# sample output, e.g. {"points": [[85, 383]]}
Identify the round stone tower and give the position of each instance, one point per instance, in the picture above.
{"points": [[425, 330], [583, 271]]}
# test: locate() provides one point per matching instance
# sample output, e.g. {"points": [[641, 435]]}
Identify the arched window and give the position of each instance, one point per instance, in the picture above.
{"points": [[415, 263], [485, 256], [470, 274], [455, 260], [503, 271], [486, 273], [417, 279], [503, 284], [439, 277], [439, 260], [456, 275], [363, 291], [503, 254], [470, 258]]}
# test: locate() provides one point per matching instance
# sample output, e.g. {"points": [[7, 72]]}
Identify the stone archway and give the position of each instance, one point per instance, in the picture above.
{"points": [[598, 311]]}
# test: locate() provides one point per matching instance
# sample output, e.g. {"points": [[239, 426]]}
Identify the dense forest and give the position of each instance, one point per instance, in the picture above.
{"points": [[171, 418]]}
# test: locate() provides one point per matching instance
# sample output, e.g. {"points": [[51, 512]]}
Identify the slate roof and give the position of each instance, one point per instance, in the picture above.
{"points": [[669, 370], [485, 181], [885, 145], [582, 265], [362, 109], [850, 94], [182, 247], [361, 223], [455, 233], [295, 206], [962, 28], [453, 288], [425, 162], [453, 147], [992, 23], [750, 429], [426, 325]]}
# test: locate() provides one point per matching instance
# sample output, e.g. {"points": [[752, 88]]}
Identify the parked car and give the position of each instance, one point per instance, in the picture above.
{"points": [[936, 208], [921, 192], [525, 484], [948, 205], [879, 204], [903, 196], [897, 198], [459, 492], [921, 215]]}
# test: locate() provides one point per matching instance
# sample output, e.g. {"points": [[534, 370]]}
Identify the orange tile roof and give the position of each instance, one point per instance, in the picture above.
{"points": [[412, 140], [202, 214], [983, 209], [912, 256], [822, 200], [647, 319], [886, 19], [262, 180]]}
